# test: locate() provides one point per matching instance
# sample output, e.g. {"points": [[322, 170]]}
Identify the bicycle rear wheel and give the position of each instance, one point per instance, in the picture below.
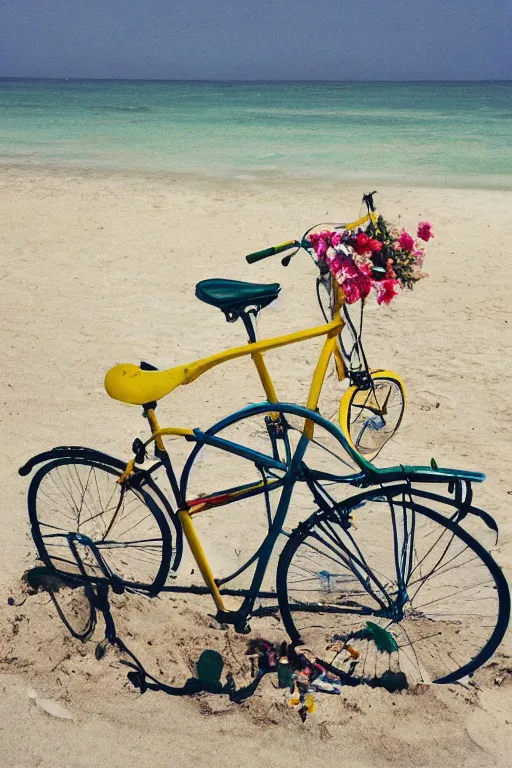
{"points": [[380, 585], [370, 416], [124, 523]]}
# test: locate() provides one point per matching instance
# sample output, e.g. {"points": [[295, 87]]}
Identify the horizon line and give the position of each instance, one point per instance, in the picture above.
{"points": [[246, 80]]}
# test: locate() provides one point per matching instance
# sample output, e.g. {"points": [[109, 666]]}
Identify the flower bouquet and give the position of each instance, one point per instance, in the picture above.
{"points": [[383, 258]]}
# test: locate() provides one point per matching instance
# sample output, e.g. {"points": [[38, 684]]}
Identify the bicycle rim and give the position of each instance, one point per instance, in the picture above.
{"points": [[360, 416], [125, 524], [381, 586]]}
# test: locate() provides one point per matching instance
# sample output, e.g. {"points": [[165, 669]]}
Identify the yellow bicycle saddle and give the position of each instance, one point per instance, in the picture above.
{"points": [[131, 384]]}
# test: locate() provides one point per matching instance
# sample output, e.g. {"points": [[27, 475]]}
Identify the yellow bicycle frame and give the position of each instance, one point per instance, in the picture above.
{"points": [[330, 347]]}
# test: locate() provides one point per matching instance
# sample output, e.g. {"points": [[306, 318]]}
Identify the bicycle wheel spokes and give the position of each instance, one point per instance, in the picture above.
{"points": [[81, 497], [407, 591]]}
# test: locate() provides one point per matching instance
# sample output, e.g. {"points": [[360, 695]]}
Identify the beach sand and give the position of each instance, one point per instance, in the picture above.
{"points": [[100, 268]]}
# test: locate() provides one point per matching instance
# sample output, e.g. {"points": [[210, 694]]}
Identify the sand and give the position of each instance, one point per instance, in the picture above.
{"points": [[96, 269]]}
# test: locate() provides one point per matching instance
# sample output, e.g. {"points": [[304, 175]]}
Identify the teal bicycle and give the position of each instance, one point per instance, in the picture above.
{"points": [[384, 581]]}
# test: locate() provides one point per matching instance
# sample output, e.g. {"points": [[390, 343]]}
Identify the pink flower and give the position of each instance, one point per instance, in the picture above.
{"points": [[351, 291], [322, 241], [425, 231], [361, 244], [386, 290], [333, 256], [405, 241], [354, 279], [365, 244], [365, 283], [321, 248], [363, 260]]}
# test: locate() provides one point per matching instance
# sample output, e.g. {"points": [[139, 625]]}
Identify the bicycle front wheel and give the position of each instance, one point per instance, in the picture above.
{"points": [[124, 524], [370, 416], [381, 585]]}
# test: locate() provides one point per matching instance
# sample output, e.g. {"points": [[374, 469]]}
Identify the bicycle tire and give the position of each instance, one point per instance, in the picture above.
{"points": [[368, 431], [353, 607], [139, 563]]}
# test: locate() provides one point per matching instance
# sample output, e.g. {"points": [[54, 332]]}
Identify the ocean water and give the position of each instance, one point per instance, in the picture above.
{"points": [[428, 133]]}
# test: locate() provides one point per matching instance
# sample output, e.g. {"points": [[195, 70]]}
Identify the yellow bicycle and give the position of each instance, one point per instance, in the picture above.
{"points": [[372, 407]]}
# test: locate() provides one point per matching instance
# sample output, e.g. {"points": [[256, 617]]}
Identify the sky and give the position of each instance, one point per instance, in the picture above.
{"points": [[258, 40]]}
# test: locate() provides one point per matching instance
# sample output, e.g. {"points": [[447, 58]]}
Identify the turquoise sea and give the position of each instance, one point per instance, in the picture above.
{"points": [[429, 133]]}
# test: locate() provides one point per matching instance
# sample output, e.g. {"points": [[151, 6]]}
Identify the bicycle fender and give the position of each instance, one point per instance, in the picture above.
{"points": [[462, 496], [76, 451]]}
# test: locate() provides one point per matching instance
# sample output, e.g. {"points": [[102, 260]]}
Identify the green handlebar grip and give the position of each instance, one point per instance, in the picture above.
{"points": [[252, 258]]}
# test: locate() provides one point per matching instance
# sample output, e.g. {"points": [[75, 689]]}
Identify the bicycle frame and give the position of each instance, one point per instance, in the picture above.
{"points": [[255, 350], [130, 384], [292, 473], [120, 377]]}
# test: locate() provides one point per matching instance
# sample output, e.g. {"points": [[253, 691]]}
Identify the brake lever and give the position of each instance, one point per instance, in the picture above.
{"points": [[286, 259]]}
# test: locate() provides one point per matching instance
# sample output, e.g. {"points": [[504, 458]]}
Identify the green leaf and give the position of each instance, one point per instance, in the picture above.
{"points": [[384, 640]]}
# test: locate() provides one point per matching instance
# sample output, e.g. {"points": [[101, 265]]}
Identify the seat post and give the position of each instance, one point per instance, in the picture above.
{"points": [[249, 318]]}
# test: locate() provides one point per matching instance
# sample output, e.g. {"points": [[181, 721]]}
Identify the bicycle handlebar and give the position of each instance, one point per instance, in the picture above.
{"points": [[252, 258], [289, 245]]}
